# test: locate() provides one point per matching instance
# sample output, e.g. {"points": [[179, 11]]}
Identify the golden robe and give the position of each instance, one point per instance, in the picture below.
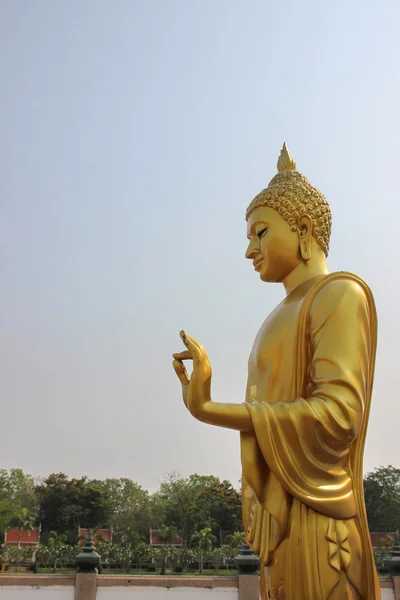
{"points": [[309, 390]]}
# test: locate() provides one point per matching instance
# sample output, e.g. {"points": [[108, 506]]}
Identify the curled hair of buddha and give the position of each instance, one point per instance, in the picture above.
{"points": [[292, 196]]}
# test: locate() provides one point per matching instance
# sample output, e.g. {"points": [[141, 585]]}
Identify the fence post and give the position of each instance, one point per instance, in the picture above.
{"points": [[392, 564], [87, 562], [396, 586], [85, 586], [247, 564]]}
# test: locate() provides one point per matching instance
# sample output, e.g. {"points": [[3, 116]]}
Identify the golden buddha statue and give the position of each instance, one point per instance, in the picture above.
{"points": [[304, 421]]}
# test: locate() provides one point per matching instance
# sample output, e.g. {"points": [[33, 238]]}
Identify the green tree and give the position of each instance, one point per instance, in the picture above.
{"points": [[229, 556], [219, 504], [110, 554], [216, 557], [176, 505], [203, 540], [141, 554], [381, 551], [166, 535], [66, 504], [129, 542], [382, 499], [18, 489], [16, 554], [68, 555], [6, 514], [161, 556], [129, 507], [125, 557], [186, 557], [197, 502], [56, 547], [236, 539], [22, 520]]}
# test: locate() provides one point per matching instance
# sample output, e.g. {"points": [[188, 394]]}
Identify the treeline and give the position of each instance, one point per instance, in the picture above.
{"points": [[62, 505]]}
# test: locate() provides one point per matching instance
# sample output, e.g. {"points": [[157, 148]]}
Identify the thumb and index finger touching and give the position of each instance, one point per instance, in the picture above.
{"points": [[178, 365], [193, 352]]}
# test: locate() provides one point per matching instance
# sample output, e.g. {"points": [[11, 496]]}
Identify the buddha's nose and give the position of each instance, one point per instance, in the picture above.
{"points": [[252, 250]]}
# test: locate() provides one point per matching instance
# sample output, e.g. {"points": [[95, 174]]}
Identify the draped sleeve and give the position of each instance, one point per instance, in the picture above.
{"points": [[305, 441]]}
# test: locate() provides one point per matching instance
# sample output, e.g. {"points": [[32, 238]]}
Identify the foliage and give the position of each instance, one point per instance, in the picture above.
{"points": [[130, 507], [220, 504], [381, 551], [66, 504], [203, 540], [229, 554], [56, 554], [22, 520], [18, 501], [185, 557], [163, 556], [236, 539], [382, 499], [6, 514], [166, 535], [201, 507], [215, 557], [141, 554], [109, 554], [16, 555], [56, 547], [175, 504], [197, 502], [18, 489]]}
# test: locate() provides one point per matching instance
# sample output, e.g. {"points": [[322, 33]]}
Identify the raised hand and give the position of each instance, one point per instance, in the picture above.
{"points": [[195, 389]]}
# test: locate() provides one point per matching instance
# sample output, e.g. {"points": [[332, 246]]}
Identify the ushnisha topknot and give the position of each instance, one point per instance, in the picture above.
{"points": [[292, 196]]}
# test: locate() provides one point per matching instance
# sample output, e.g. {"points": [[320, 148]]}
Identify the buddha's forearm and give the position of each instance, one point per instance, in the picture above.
{"points": [[231, 416]]}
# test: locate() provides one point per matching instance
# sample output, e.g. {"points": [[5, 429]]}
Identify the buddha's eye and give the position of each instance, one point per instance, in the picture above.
{"points": [[261, 232]]}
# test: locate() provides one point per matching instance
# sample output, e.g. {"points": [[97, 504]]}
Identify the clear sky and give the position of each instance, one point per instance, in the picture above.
{"points": [[133, 137]]}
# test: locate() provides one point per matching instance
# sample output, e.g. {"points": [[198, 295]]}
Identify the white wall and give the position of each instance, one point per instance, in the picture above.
{"points": [[160, 593], [14, 592], [27, 592]]}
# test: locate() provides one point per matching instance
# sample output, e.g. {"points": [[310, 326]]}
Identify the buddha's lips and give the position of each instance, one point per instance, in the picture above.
{"points": [[257, 263]]}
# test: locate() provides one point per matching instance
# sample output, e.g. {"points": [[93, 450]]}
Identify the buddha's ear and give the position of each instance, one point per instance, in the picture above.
{"points": [[304, 231]]}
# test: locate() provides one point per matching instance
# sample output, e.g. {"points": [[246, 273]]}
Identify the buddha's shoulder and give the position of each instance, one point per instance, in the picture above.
{"points": [[336, 287]]}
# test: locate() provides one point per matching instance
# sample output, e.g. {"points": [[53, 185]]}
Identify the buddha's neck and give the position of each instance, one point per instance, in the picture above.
{"points": [[306, 270]]}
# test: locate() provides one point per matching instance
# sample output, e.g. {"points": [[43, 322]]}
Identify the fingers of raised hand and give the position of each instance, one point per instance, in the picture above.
{"points": [[180, 370], [193, 346], [185, 355]]}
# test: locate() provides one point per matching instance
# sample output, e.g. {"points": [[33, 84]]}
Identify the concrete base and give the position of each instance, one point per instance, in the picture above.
{"points": [[396, 585], [249, 587], [85, 586]]}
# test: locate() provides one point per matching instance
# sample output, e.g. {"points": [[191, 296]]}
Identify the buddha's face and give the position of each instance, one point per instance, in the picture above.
{"points": [[273, 246]]}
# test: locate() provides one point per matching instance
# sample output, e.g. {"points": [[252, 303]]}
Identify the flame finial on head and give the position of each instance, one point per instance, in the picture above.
{"points": [[285, 161]]}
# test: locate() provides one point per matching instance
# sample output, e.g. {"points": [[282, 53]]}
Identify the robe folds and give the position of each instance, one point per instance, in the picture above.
{"points": [[309, 391]]}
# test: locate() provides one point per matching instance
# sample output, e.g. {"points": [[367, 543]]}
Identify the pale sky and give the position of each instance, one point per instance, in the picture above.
{"points": [[133, 137]]}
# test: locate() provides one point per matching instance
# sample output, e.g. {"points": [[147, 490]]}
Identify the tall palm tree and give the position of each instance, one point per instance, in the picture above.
{"points": [[23, 520], [236, 539], [204, 540], [166, 535], [55, 546]]}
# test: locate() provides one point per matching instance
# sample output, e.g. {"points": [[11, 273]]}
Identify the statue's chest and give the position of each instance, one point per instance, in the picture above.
{"points": [[274, 348]]}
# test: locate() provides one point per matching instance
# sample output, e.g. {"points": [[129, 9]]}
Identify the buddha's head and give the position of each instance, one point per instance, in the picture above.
{"points": [[287, 223]]}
